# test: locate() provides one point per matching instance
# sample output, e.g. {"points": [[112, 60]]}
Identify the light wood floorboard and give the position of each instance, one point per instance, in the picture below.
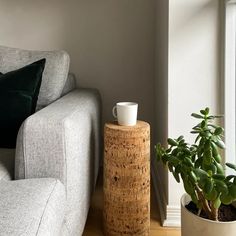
{"points": [[94, 222]]}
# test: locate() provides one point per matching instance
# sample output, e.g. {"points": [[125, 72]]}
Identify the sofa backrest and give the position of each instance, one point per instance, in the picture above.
{"points": [[54, 75], [69, 85]]}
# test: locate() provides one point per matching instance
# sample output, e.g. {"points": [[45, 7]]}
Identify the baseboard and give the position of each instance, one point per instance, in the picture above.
{"points": [[173, 217], [170, 215]]}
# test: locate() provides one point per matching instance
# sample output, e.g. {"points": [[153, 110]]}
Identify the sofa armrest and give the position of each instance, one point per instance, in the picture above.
{"points": [[68, 129], [62, 141]]}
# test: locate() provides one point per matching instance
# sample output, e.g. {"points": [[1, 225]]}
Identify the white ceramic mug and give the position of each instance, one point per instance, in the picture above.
{"points": [[126, 113]]}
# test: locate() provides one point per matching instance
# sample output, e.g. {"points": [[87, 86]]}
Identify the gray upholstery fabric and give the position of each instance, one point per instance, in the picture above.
{"points": [[65, 231], [69, 85], [7, 162], [7, 156], [54, 75], [31, 207], [62, 141]]}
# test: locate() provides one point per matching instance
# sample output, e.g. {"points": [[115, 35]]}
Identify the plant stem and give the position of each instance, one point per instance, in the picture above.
{"points": [[199, 212], [204, 202], [214, 213]]}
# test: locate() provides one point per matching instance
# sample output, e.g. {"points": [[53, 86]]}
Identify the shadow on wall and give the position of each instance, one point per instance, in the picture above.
{"points": [[111, 43], [192, 14]]}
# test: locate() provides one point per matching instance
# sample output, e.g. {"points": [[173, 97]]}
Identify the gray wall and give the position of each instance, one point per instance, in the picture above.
{"points": [[159, 174], [111, 43]]}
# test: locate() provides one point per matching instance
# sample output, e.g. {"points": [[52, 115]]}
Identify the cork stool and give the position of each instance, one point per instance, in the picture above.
{"points": [[126, 179]]}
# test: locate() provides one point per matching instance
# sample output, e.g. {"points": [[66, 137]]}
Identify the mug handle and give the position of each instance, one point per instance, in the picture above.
{"points": [[114, 112]]}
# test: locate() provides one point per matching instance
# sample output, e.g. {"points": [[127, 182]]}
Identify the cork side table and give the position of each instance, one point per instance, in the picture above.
{"points": [[126, 179]]}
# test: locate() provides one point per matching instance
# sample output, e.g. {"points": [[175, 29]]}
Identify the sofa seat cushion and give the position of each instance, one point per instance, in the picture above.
{"points": [[55, 72], [7, 162], [31, 207]]}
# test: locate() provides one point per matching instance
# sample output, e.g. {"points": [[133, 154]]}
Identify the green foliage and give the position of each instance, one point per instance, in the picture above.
{"points": [[200, 165]]}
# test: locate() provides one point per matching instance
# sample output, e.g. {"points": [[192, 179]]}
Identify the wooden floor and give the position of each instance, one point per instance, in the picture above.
{"points": [[94, 222]]}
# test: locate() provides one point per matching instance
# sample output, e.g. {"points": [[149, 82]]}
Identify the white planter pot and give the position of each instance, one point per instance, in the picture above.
{"points": [[193, 225]]}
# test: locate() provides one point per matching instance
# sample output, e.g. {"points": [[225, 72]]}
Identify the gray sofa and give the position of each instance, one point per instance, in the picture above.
{"points": [[47, 181]]}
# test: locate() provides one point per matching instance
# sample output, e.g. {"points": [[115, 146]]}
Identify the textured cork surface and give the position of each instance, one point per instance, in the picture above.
{"points": [[126, 179]]}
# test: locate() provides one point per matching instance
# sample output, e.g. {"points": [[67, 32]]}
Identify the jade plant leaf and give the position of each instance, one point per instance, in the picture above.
{"points": [[200, 164]]}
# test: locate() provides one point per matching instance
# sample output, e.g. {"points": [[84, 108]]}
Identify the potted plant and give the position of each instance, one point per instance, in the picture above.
{"points": [[206, 209]]}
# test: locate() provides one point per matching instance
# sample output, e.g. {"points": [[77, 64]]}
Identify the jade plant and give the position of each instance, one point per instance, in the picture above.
{"points": [[200, 165]]}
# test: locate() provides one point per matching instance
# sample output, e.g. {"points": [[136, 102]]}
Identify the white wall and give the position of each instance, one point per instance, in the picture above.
{"points": [[193, 65], [187, 79], [193, 75], [110, 43]]}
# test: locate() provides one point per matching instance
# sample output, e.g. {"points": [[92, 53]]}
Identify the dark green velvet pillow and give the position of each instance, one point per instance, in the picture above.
{"points": [[19, 91]]}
